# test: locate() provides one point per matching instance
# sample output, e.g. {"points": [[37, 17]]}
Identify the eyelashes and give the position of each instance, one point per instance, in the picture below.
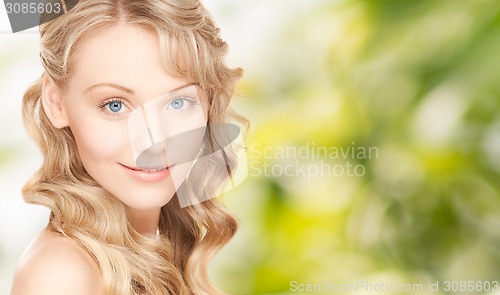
{"points": [[181, 103], [115, 106]]}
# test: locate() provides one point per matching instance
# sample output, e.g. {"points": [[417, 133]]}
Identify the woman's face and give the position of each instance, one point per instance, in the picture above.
{"points": [[119, 75]]}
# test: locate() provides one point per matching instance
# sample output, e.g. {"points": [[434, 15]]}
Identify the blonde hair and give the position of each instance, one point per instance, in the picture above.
{"points": [[81, 209]]}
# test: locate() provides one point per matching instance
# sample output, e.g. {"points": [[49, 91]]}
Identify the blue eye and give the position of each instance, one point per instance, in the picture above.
{"points": [[177, 103], [115, 106], [182, 103]]}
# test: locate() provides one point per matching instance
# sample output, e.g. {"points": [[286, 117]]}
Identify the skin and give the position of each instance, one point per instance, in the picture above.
{"points": [[44, 268], [123, 62]]}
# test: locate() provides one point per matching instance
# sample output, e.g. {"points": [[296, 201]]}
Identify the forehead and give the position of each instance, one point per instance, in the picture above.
{"points": [[124, 54]]}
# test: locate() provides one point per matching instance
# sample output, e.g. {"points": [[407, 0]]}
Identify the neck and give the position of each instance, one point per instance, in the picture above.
{"points": [[145, 221]]}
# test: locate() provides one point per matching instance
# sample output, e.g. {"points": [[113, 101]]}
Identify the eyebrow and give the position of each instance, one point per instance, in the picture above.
{"points": [[128, 90], [113, 85], [183, 86]]}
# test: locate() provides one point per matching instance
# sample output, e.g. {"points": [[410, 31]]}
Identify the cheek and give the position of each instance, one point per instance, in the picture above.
{"points": [[100, 140]]}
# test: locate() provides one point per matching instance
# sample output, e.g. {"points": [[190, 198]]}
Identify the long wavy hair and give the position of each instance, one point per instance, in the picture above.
{"points": [[130, 263]]}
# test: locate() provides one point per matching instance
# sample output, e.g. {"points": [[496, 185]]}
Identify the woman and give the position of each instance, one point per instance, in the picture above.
{"points": [[118, 222]]}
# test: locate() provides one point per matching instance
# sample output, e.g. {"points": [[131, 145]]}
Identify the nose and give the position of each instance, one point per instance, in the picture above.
{"points": [[160, 138], [154, 157], [177, 149]]}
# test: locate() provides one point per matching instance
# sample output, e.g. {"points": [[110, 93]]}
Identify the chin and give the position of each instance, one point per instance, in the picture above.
{"points": [[146, 198]]}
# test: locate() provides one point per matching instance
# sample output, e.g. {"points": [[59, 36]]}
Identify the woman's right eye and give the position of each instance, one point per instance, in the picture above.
{"points": [[113, 106]]}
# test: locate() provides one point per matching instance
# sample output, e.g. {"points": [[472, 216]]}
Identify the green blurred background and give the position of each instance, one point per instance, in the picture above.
{"points": [[416, 82]]}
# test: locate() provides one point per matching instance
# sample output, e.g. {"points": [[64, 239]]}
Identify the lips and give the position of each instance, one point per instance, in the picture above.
{"points": [[145, 169], [150, 174]]}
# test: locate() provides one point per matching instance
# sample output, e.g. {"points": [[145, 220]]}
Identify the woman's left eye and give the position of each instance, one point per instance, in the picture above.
{"points": [[180, 103]]}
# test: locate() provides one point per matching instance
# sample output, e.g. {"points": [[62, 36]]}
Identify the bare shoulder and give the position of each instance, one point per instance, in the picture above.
{"points": [[53, 264]]}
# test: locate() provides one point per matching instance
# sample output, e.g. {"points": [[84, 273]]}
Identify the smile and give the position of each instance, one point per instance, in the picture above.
{"points": [[147, 170], [147, 175]]}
